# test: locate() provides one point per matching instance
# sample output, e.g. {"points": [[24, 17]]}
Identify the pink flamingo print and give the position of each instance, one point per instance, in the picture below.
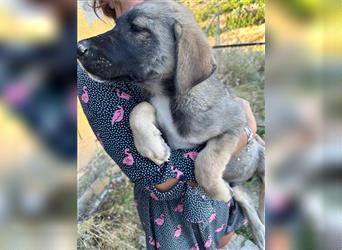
{"points": [[157, 245], [229, 204], [154, 196], [191, 155], [220, 228], [212, 217], [208, 242], [160, 221], [195, 247], [118, 115], [245, 221], [85, 95], [179, 173], [178, 231], [128, 160], [122, 94], [151, 241], [180, 207]]}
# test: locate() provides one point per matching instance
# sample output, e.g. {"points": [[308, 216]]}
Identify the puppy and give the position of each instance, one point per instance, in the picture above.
{"points": [[159, 45]]}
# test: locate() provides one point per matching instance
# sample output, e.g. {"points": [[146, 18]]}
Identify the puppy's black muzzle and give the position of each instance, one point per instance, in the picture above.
{"points": [[92, 54], [82, 48], [106, 57]]}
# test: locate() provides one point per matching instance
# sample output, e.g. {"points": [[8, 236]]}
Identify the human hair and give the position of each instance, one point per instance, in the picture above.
{"points": [[105, 8]]}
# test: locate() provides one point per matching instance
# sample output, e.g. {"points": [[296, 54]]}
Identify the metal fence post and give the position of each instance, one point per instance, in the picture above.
{"points": [[218, 31]]}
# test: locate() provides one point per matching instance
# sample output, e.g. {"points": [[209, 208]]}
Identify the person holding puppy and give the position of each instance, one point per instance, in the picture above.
{"points": [[175, 213]]}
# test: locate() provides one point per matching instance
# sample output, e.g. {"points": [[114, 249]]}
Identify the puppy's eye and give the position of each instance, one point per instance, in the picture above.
{"points": [[136, 28]]}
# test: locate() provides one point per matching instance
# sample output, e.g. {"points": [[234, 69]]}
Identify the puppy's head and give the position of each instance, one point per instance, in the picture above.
{"points": [[153, 42]]}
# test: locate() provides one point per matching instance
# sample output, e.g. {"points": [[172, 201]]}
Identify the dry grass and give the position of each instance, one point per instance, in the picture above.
{"points": [[243, 69], [115, 225], [243, 35]]}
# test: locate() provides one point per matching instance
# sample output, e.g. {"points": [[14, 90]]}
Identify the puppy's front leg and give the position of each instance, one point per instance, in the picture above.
{"points": [[210, 164], [147, 137]]}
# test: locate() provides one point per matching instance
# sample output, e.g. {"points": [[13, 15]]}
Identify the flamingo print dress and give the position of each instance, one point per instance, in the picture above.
{"points": [[179, 219]]}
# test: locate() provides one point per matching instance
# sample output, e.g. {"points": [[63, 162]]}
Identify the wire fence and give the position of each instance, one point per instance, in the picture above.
{"points": [[238, 45], [244, 37]]}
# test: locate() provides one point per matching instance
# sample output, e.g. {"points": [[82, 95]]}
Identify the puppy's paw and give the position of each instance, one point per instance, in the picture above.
{"points": [[157, 150], [152, 146]]}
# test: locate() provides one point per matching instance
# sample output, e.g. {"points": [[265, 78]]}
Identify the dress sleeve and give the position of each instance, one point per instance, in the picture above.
{"points": [[107, 106]]}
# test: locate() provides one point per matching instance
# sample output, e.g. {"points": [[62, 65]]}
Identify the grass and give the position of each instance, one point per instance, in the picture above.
{"points": [[115, 225], [245, 231], [243, 70]]}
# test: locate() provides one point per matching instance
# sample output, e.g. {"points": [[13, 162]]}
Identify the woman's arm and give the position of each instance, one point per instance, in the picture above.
{"points": [[107, 107]]}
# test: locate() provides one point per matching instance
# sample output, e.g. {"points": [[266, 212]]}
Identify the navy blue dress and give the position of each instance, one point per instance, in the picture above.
{"points": [[181, 218]]}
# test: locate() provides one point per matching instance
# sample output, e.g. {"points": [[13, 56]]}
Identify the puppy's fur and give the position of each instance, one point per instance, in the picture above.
{"points": [[159, 45]]}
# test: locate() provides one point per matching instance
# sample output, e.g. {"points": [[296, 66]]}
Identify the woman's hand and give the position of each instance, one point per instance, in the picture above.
{"points": [[251, 122], [167, 185]]}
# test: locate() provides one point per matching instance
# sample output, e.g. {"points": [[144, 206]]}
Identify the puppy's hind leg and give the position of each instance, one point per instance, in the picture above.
{"points": [[211, 163], [246, 204]]}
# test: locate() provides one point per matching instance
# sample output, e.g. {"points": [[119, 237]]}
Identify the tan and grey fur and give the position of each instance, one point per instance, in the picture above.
{"points": [[160, 46]]}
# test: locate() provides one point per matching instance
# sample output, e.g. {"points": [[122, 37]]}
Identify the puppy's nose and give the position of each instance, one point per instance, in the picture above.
{"points": [[82, 48]]}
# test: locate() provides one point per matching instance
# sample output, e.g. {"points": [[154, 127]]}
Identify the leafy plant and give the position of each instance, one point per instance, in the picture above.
{"points": [[234, 14]]}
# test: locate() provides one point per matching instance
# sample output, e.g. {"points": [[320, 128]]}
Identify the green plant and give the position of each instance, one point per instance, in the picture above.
{"points": [[234, 14]]}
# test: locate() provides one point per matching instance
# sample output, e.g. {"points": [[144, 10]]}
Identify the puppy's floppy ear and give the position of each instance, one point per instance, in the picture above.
{"points": [[194, 58]]}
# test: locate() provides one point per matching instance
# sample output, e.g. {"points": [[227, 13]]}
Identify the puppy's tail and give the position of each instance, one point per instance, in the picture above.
{"points": [[261, 175]]}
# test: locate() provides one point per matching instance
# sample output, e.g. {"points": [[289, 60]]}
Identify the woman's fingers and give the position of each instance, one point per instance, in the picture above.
{"points": [[251, 121]]}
